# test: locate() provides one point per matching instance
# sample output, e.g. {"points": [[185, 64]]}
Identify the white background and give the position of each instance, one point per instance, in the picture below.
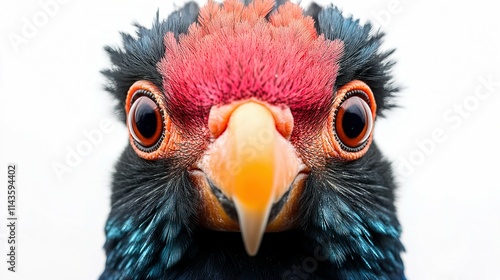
{"points": [[51, 94]]}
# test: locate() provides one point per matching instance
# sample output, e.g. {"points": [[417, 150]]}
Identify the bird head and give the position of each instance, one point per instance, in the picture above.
{"points": [[235, 112]]}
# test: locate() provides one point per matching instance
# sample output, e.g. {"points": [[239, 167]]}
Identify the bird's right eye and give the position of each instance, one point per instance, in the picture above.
{"points": [[151, 133], [145, 121]]}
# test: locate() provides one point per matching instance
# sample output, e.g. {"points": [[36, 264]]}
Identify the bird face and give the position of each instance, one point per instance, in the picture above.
{"points": [[254, 117], [253, 108]]}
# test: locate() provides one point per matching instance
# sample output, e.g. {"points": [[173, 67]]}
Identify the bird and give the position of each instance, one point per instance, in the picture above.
{"points": [[251, 151]]}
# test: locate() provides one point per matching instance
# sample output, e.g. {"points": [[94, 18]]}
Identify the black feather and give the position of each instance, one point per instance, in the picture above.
{"points": [[139, 57], [363, 58], [149, 227], [350, 210]]}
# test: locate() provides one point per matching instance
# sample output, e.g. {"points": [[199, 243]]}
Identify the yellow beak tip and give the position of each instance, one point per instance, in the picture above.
{"points": [[253, 224], [255, 166]]}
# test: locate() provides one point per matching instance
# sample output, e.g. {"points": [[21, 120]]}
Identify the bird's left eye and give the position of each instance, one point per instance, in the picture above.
{"points": [[349, 130], [353, 121]]}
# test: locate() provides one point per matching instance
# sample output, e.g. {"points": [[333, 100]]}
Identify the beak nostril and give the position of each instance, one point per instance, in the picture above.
{"points": [[251, 161], [219, 117], [283, 119]]}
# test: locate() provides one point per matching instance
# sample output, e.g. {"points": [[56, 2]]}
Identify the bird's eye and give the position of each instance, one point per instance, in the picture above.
{"points": [[150, 129], [350, 125], [145, 121], [354, 121]]}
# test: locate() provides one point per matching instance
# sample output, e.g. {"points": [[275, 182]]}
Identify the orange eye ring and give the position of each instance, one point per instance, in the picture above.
{"points": [[148, 123], [353, 121], [348, 134]]}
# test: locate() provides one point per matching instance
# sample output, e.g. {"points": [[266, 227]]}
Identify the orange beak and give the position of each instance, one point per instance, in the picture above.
{"points": [[251, 162]]}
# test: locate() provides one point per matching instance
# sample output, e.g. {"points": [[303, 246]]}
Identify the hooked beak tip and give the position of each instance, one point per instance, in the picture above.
{"points": [[255, 163], [253, 223]]}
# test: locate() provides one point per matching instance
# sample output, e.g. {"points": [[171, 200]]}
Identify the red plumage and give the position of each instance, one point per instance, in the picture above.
{"points": [[233, 51]]}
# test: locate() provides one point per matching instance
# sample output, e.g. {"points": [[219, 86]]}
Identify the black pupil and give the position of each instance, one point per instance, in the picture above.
{"points": [[354, 121], [145, 118]]}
